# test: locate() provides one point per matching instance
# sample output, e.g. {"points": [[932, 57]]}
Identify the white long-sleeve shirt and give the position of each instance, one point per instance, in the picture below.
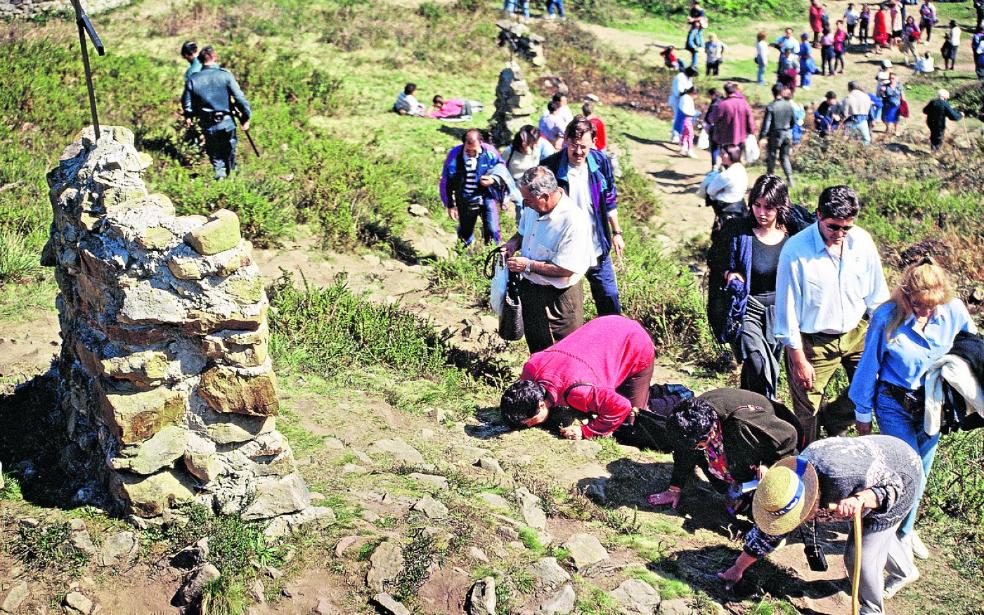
{"points": [[687, 106], [730, 185], [819, 292]]}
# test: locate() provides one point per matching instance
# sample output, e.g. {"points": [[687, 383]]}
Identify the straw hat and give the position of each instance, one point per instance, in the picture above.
{"points": [[785, 496]]}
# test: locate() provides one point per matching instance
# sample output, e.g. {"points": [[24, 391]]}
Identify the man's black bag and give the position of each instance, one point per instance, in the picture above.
{"points": [[511, 318]]}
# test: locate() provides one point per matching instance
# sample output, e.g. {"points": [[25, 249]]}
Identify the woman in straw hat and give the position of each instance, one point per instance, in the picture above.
{"points": [[907, 334], [834, 479]]}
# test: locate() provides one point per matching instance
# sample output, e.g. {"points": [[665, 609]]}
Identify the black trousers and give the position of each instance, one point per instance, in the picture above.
{"points": [[550, 314], [220, 146]]}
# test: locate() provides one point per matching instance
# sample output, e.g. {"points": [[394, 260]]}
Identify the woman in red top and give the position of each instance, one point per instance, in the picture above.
{"points": [[816, 20], [880, 32], [603, 368]]}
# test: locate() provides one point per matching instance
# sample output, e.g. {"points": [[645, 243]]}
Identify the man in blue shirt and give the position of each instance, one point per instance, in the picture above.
{"points": [[787, 41], [208, 97], [189, 51], [828, 279]]}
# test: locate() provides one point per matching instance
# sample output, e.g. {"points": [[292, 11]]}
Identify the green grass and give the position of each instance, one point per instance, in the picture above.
{"points": [[46, 549], [668, 588]]}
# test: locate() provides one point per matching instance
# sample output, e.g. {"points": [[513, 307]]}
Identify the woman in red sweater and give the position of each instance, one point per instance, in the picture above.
{"points": [[603, 368]]}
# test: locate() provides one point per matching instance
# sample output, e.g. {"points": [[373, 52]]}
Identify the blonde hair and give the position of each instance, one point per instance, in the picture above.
{"points": [[925, 282]]}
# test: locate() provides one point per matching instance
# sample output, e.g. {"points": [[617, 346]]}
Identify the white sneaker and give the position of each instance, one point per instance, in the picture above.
{"points": [[913, 542], [895, 585], [675, 140]]}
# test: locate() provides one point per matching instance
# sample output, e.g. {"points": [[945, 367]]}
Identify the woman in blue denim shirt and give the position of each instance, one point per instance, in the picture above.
{"points": [[907, 334]]}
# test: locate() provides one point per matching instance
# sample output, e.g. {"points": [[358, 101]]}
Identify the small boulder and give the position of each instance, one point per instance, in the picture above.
{"points": [[585, 550], [418, 210], [478, 555], [548, 573], [257, 592], [636, 597], [431, 507], [389, 605], [385, 564], [494, 500], [481, 599], [15, 597], [490, 464], [399, 450], [560, 603], [191, 556], [219, 234], [118, 548], [431, 480], [75, 603], [194, 584], [529, 507]]}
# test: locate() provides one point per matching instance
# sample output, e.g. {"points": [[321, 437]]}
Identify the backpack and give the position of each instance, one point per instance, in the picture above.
{"points": [[647, 429]]}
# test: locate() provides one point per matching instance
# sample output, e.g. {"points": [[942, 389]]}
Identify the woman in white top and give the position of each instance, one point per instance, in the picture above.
{"points": [[688, 110], [525, 152], [761, 56], [851, 17]]}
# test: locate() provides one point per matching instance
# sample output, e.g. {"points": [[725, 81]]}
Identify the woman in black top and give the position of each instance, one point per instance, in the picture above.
{"points": [[753, 245]]}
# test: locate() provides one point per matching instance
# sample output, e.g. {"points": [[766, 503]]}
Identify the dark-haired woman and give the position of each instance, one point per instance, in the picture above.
{"points": [[729, 434], [525, 152], [753, 244]]}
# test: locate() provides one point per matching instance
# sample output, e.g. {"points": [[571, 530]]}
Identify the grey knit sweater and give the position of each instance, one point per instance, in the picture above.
{"points": [[886, 465]]}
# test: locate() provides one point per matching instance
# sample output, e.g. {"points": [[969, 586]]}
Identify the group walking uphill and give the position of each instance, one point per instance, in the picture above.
{"points": [[787, 284]]}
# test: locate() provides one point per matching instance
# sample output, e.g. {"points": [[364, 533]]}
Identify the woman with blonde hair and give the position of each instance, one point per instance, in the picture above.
{"points": [[907, 334]]}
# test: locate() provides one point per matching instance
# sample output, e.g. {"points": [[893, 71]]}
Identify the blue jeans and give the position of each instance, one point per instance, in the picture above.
{"points": [[510, 7], [694, 57], [761, 74], [468, 215], [805, 74], [555, 3], [604, 288], [220, 146], [896, 421], [859, 124]]}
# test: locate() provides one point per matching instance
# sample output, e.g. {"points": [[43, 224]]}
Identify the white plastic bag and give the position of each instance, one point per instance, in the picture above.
{"points": [[703, 140], [752, 152], [497, 290]]}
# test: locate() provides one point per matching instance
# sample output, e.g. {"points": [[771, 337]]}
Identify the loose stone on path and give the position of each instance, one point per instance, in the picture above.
{"points": [[585, 550]]}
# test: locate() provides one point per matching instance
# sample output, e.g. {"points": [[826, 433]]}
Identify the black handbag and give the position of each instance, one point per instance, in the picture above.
{"points": [[511, 318]]}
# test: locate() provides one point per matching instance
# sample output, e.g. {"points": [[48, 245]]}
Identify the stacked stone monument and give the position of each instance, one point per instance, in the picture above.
{"points": [[525, 43], [164, 372], [513, 105]]}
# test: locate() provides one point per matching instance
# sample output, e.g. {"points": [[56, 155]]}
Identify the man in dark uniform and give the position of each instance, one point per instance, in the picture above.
{"points": [[207, 97]]}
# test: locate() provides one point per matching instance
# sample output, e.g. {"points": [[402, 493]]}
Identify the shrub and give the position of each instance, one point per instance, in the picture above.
{"points": [[328, 329], [46, 548], [18, 259]]}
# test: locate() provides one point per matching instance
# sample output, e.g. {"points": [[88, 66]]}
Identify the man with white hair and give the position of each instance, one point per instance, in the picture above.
{"points": [[937, 111]]}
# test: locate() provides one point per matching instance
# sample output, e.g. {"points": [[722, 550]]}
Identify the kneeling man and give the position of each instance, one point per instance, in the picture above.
{"points": [[602, 368]]}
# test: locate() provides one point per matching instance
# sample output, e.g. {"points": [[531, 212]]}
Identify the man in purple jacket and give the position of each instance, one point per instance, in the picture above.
{"points": [[731, 118], [468, 190]]}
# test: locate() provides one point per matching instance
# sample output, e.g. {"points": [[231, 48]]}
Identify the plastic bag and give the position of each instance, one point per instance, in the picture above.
{"points": [[703, 140], [752, 152], [500, 281]]}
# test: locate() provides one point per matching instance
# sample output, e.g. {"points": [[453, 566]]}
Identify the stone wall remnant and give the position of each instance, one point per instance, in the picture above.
{"points": [[165, 379], [34, 8], [513, 105]]}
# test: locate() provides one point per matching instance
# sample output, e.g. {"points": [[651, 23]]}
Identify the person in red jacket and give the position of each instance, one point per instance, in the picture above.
{"points": [[816, 20], [603, 368]]}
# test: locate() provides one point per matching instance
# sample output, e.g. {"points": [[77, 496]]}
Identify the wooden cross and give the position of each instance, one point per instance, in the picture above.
{"points": [[85, 28]]}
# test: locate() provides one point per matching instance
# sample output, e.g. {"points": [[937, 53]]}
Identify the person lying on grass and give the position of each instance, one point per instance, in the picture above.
{"points": [[603, 368]]}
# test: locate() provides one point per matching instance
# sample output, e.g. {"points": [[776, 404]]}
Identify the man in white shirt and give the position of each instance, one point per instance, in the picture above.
{"points": [[554, 243], [726, 190], [829, 278], [856, 106]]}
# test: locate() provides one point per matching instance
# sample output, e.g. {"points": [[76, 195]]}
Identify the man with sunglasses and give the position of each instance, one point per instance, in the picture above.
{"points": [[829, 279]]}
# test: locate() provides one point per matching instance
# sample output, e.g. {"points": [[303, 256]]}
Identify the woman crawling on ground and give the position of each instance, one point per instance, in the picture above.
{"points": [[730, 434]]}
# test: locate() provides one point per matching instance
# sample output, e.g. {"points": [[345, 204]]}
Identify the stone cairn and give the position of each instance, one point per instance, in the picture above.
{"points": [[519, 38], [164, 375], [513, 105]]}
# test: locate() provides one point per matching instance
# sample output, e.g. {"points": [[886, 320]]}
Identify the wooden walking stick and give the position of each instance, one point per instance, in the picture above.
{"points": [[856, 579]]}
